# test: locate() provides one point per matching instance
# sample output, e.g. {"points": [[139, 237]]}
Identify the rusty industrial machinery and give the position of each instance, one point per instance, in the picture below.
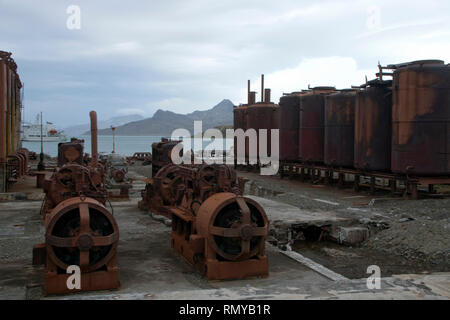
{"points": [[214, 227], [116, 167], [80, 230], [144, 157], [161, 153], [70, 152]]}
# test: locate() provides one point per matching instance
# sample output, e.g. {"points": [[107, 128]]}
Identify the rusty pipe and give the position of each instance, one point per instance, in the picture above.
{"points": [[248, 92], [267, 95], [94, 146], [252, 98], [2, 112], [262, 88]]}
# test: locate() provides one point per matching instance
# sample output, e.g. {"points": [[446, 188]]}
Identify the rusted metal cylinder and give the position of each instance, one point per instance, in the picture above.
{"points": [[312, 124], [267, 95], [3, 152], [263, 116], [225, 217], [252, 98], [421, 118], [339, 131], [94, 143], [81, 231], [373, 127], [289, 126], [262, 88]]}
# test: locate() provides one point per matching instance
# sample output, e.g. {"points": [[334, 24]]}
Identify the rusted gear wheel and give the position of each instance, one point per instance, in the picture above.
{"points": [[235, 226], [81, 231]]}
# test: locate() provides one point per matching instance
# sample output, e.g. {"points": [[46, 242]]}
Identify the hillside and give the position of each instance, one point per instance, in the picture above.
{"points": [[77, 130], [164, 122]]}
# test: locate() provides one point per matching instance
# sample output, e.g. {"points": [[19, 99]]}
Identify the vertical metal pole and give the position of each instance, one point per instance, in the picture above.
{"points": [[114, 142], [2, 126], [262, 88], [42, 135], [248, 92], [41, 166], [94, 146]]}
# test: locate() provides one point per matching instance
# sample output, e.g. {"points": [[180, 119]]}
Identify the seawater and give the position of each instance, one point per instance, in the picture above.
{"points": [[125, 145]]}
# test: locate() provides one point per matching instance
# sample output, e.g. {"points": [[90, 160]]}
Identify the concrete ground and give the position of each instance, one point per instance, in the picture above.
{"points": [[150, 269]]}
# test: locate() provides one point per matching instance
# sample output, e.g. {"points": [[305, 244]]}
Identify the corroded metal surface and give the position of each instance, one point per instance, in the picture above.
{"points": [[70, 152], [210, 218], [161, 154], [373, 127], [11, 162], [421, 118], [79, 229], [339, 128], [312, 124], [263, 116], [289, 127]]}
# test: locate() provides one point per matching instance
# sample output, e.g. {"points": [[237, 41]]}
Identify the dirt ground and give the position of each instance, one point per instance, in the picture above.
{"points": [[405, 235]]}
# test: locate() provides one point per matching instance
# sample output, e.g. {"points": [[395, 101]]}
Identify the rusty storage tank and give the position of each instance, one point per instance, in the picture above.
{"points": [[311, 124], [421, 118], [289, 112], [339, 128], [263, 115], [240, 121], [373, 128]]}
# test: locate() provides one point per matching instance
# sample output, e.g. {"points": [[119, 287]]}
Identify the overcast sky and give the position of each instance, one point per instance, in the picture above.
{"points": [[139, 56]]}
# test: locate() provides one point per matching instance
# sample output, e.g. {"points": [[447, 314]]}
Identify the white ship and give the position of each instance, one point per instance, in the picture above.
{"points": [[32, 132]]}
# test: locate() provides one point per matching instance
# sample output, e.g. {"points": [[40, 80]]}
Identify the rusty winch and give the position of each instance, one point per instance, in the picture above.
{"points": [[80, 230], [216, 229]]}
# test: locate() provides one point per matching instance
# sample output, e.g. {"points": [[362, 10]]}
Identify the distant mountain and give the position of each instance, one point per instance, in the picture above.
{"points": [[164, 122], [76, 131]]}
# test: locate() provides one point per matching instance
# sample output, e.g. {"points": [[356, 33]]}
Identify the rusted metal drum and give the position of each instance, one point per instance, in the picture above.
{"points": [[263, 116], [235, 227], [421, 118], [339, 128], [81, 231], [312, 124], [373, 127], [289, 125]]}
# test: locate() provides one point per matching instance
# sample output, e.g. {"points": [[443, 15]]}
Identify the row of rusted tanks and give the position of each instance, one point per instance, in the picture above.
{"points": [[400, 125]]}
